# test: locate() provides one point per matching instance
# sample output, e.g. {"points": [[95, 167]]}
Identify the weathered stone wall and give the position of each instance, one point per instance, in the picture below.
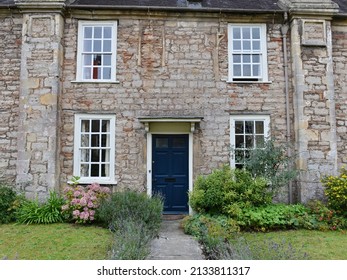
{"points": [[10, 50], [314, 103], [169, 66], [340, 71], [41, 57]]}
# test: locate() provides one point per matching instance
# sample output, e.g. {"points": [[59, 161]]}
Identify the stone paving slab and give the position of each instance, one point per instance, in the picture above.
{"points": [[174, 244]]}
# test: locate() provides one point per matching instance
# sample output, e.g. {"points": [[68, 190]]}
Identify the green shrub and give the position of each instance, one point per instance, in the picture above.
{"points": [[275, 217], [129, 205], [214, 226], [226, 191], [220, 240], [327, 219], [336, 192], [7, 202], [273, 163], [32, 212]]}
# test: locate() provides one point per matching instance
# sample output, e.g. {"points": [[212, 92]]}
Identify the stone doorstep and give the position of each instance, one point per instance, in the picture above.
{"points": [[168, 217]]}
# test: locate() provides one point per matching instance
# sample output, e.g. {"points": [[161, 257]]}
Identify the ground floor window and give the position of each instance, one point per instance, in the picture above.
{"points": [[247, 133], [94, 152]]}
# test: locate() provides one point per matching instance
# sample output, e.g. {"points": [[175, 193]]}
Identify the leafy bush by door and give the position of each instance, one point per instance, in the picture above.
{"points": [[227, 191]]}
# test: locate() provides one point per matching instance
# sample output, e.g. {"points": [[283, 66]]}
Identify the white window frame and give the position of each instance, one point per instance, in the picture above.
{"points": [[80, 52], [263, 77], [110, 179], [233, 119]]}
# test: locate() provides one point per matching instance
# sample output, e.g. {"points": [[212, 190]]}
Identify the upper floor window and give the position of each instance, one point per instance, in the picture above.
{"points": [[247, 133], [94, 155], [247, 53], [97, 47]]}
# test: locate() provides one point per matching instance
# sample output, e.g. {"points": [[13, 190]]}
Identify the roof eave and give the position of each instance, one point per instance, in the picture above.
{"points": [[172, 9]]}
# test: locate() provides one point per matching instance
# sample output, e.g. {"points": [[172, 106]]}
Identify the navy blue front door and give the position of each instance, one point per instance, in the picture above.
{"points": [[170, 171]]}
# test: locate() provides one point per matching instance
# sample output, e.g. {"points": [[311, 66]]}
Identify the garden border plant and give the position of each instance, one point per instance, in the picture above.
{"points": [[244, 199], [135, 220], [8, 199]]}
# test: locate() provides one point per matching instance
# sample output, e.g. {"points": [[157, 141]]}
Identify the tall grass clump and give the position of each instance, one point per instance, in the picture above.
{"points": [[34, 212]]}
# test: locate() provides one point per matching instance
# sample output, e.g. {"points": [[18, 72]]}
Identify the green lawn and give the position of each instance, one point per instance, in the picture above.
{"points": [[54, 242], [318, 245]]}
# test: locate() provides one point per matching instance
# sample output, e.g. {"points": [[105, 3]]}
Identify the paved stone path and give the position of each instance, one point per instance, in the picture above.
{"points": [[173, 244]]}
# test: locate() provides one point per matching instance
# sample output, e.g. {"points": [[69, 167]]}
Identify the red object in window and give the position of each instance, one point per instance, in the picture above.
{"points": [[97, 61]]}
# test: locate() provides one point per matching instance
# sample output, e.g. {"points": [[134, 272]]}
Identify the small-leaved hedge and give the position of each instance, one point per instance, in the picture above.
{"points": [[227, 191]]}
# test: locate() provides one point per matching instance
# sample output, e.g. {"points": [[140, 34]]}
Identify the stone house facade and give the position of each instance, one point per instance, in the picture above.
{"points": [[147, 95]]}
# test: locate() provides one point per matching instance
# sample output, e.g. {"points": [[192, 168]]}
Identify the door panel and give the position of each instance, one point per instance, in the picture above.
{"points": [[170, 170]]}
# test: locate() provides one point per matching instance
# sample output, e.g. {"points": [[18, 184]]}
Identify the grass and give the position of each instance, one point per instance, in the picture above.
{"points": [[318, 245], [54, 242]]}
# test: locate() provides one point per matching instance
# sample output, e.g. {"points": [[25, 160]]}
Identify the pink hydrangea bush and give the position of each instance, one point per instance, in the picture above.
{"points": [[81, 202]]}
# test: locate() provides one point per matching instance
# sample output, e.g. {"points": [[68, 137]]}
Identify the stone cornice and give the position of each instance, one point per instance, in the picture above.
{"points": [[57, 6], [309, 7]]}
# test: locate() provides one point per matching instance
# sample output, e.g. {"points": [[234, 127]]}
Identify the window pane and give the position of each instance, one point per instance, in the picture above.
{"points": [[106, 60], [259, 139], [95, 125], [162, 143], [84, 170], [239, 141], [237, 58], [256, 58], [85, 156], [85, 126], [247, 70], [107, 32], [87, 73], [107, 46], [246, 58], [246, 33], [105, 140], [105, 155], [239, 156], [237, 70], [237, 45], [106, 73], [95, 156], [246, 45], [95, 141], [97, 46], [239, 127], [256, 45], [87, 60], [249, 127], [88, 32], [237, 33], [97, 32], [96, 73], [178, 143], [259, 127], [85, 140], [87, 45], [256, 70], [256, 33], [105, 126], [249, 141], [94, 170], [105, 170]]}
